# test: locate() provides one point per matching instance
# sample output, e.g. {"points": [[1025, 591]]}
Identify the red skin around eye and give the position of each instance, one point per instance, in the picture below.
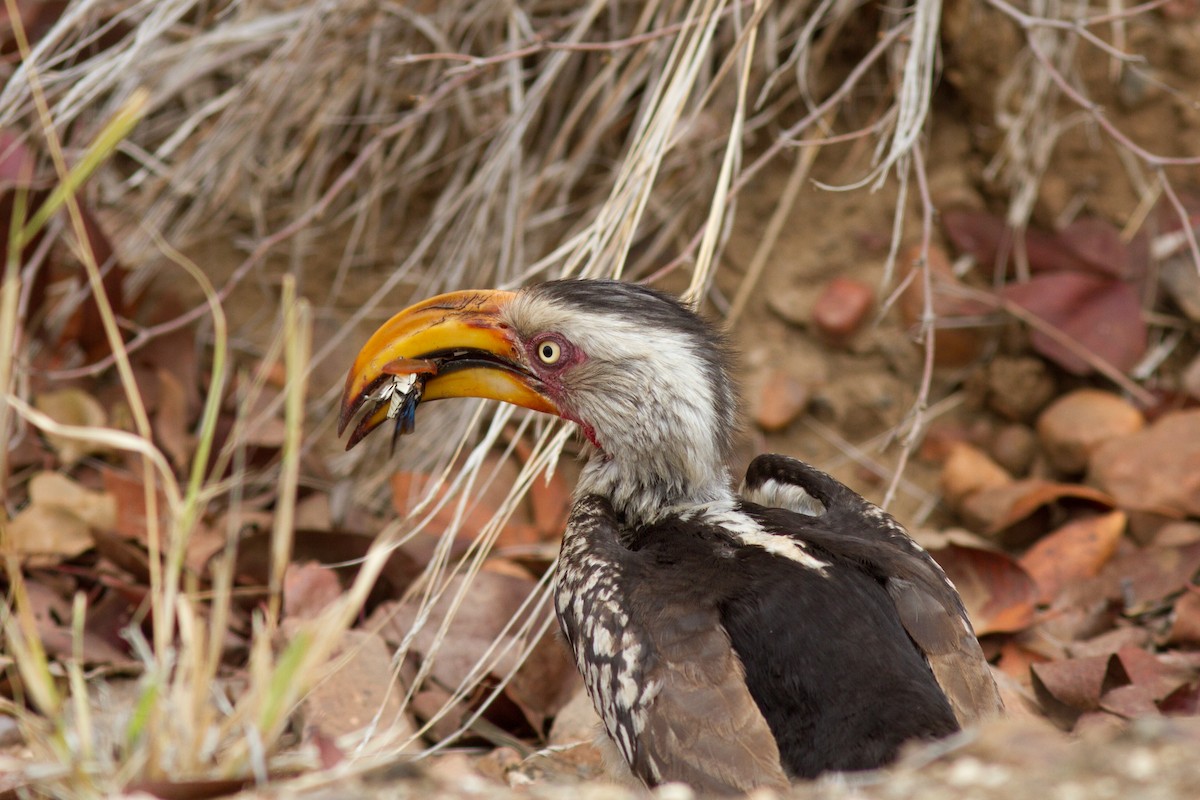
{"points": [[569, 356]]}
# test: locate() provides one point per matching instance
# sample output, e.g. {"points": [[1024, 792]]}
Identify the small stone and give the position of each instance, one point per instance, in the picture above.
{"points": [[1018, 388], [967, 471], [794, 304], [1014, 448], [1073, 426], [841, 309], [781, 398]]}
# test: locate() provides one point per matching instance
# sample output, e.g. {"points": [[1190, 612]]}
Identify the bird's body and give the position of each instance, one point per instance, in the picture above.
{"points": [[727, 640]]}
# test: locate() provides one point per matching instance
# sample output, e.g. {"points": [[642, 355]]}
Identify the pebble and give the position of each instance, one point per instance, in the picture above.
{"points": [[781, 398], [1076, 424], [842, 308]]}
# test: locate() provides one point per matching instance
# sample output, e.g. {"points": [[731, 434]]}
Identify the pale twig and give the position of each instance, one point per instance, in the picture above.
{"points": [[916, 422]]}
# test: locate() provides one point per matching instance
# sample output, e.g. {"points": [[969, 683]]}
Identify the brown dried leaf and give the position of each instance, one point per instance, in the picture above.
{"points": [[998, 593], [1158, 678], [171, 420], [1102, 316], [1006, 512], [360, 692], [1185, 623], [1076, 550], [1088, 245], [130, 497], [308, 589], [1016, 659], [968, 470], [72, 407], [1130, 702], [327, 547], [1156, 469], [494, 597], [1069, 687]]}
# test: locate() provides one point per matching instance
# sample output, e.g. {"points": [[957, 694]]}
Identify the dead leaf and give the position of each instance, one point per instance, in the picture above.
{"points": [[72, 407], [1076, 550], [57, 523], [479, 632], [1130, 702], [968, 470], [998, 593], [1185, 624], [1102, 316], [1019, 512], [1065, 689], [54, 490], [1016, 659], [1156, 677], [327, 547], [1087, 245], [1072, 427], [360, 691], [308, 589], [1156, 469], [130, 495], [171, 420]]}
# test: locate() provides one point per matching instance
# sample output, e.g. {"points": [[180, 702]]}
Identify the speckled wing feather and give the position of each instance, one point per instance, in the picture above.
{"points": [[670, 689], [926, 601]]}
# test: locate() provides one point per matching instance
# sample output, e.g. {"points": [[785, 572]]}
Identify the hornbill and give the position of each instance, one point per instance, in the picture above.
{"points": [[727, 640]]}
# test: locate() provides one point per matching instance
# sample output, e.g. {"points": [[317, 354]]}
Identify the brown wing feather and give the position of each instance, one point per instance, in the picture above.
{"points": [[951, 649], [927, 603], [703, 727]]}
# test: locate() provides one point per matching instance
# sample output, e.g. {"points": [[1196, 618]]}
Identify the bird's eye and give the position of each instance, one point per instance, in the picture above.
{"points": [[549, 352]]}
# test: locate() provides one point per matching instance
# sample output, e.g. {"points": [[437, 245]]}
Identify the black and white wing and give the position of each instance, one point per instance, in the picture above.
{"points": [[926, 601], [659, 667]]}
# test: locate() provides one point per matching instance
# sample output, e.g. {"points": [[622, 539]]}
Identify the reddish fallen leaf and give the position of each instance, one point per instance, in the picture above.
{"points": [[1076, 550], [1067, 688], [1075, 425], [998, 593], [1088, 245], [130, 495], [1156, 469], [1016, 659], [408, 489], [308, 589], [1141, 580], [1130, 702], [493, 598], [1158, 678], [327, 547], [1184, 701], [360, 692], [968, 470], [171, 420], [1185, 624], [1111, 641], [175, 352], [1016, 513], [1100, 315], [549, 499]]}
